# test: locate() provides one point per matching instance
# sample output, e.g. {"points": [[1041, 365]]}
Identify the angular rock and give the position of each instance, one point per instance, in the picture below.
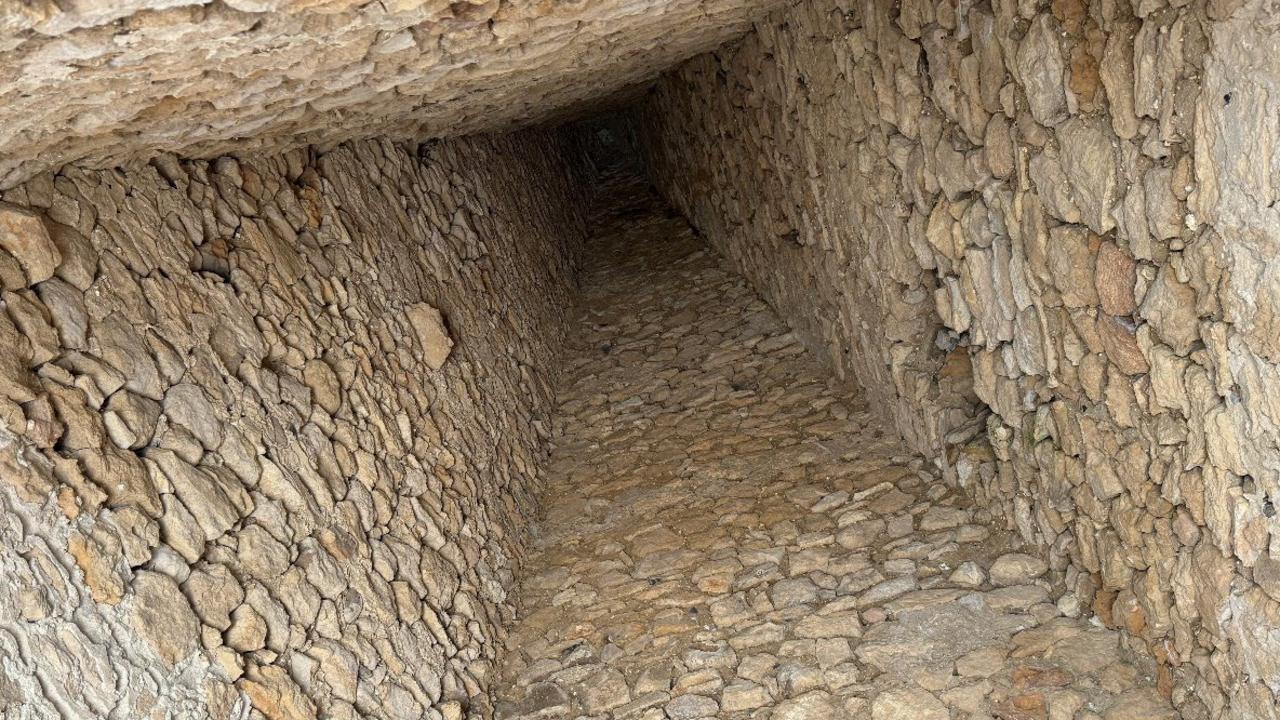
{"points": [[1040, 66], [1170, 307], [1120, 341], [1089, 160], [24, 236], [433, 337]]}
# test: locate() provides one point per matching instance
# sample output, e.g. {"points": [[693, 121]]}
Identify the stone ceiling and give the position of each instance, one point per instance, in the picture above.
{"points": [[103, 81]]}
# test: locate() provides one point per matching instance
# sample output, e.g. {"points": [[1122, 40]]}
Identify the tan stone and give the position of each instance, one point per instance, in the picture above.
{"points": [[433, 337], [275, 695], [1040, 67], [160, 615], [123, 477], [24, 236], [1170, 307], [16, 381], [214, 501], [908, 704], [376, 513], [79, 263], [248, 631], [188, 406], [1142, 704], [214, 594], [98, 557], [1073, 264], [324, 385]]}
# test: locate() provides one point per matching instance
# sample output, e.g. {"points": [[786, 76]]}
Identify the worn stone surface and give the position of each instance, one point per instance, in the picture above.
{"points": [[271, 428], [1079, 199], [244, 473], [690, 561], [103, 82]]}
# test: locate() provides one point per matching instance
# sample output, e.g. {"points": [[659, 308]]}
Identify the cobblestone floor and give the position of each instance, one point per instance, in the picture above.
{"points": [[728, 534]]}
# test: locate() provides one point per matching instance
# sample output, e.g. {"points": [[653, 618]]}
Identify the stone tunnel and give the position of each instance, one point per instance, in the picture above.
{"points": [[640, 359]]}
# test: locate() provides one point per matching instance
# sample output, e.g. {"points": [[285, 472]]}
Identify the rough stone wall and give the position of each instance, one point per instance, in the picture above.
{"points": [[1082, 199], [103, 81], [271, 428], [779, 158]]}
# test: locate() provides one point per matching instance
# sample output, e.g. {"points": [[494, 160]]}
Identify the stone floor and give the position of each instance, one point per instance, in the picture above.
{"points": [[728, 534]]}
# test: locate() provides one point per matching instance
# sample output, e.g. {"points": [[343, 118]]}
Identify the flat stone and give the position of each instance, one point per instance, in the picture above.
{"points": [[941, 518], [160, 614], [797, 591], [1119, 339], [99, 556], [188, 406], [908, 704], [1140, 704], [838, 625], [274, 694], [743, 695], [983, 662], [1016, 569], [814, 705], [1266, 572], [689, 707], [603, 689]]}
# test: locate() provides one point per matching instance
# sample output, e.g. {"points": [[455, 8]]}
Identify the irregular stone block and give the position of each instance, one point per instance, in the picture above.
{"points": [[433, 338], [24, 236]]}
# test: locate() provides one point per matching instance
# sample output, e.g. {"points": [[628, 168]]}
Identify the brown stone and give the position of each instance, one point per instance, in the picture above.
{"points": [[28, 474], [11, 275], [1027, 676], [1085, 77], [1073, 265], [1115, 278], [1121, 344], [1023, 706]]}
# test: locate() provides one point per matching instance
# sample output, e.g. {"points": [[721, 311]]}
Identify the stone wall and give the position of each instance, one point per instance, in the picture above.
{"points": [[271, 428], [1076, 205], [99, 82]]}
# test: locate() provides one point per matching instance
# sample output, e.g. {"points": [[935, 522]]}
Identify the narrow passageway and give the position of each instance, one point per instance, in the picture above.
{"points": [[727, 533], [919, 361]]}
